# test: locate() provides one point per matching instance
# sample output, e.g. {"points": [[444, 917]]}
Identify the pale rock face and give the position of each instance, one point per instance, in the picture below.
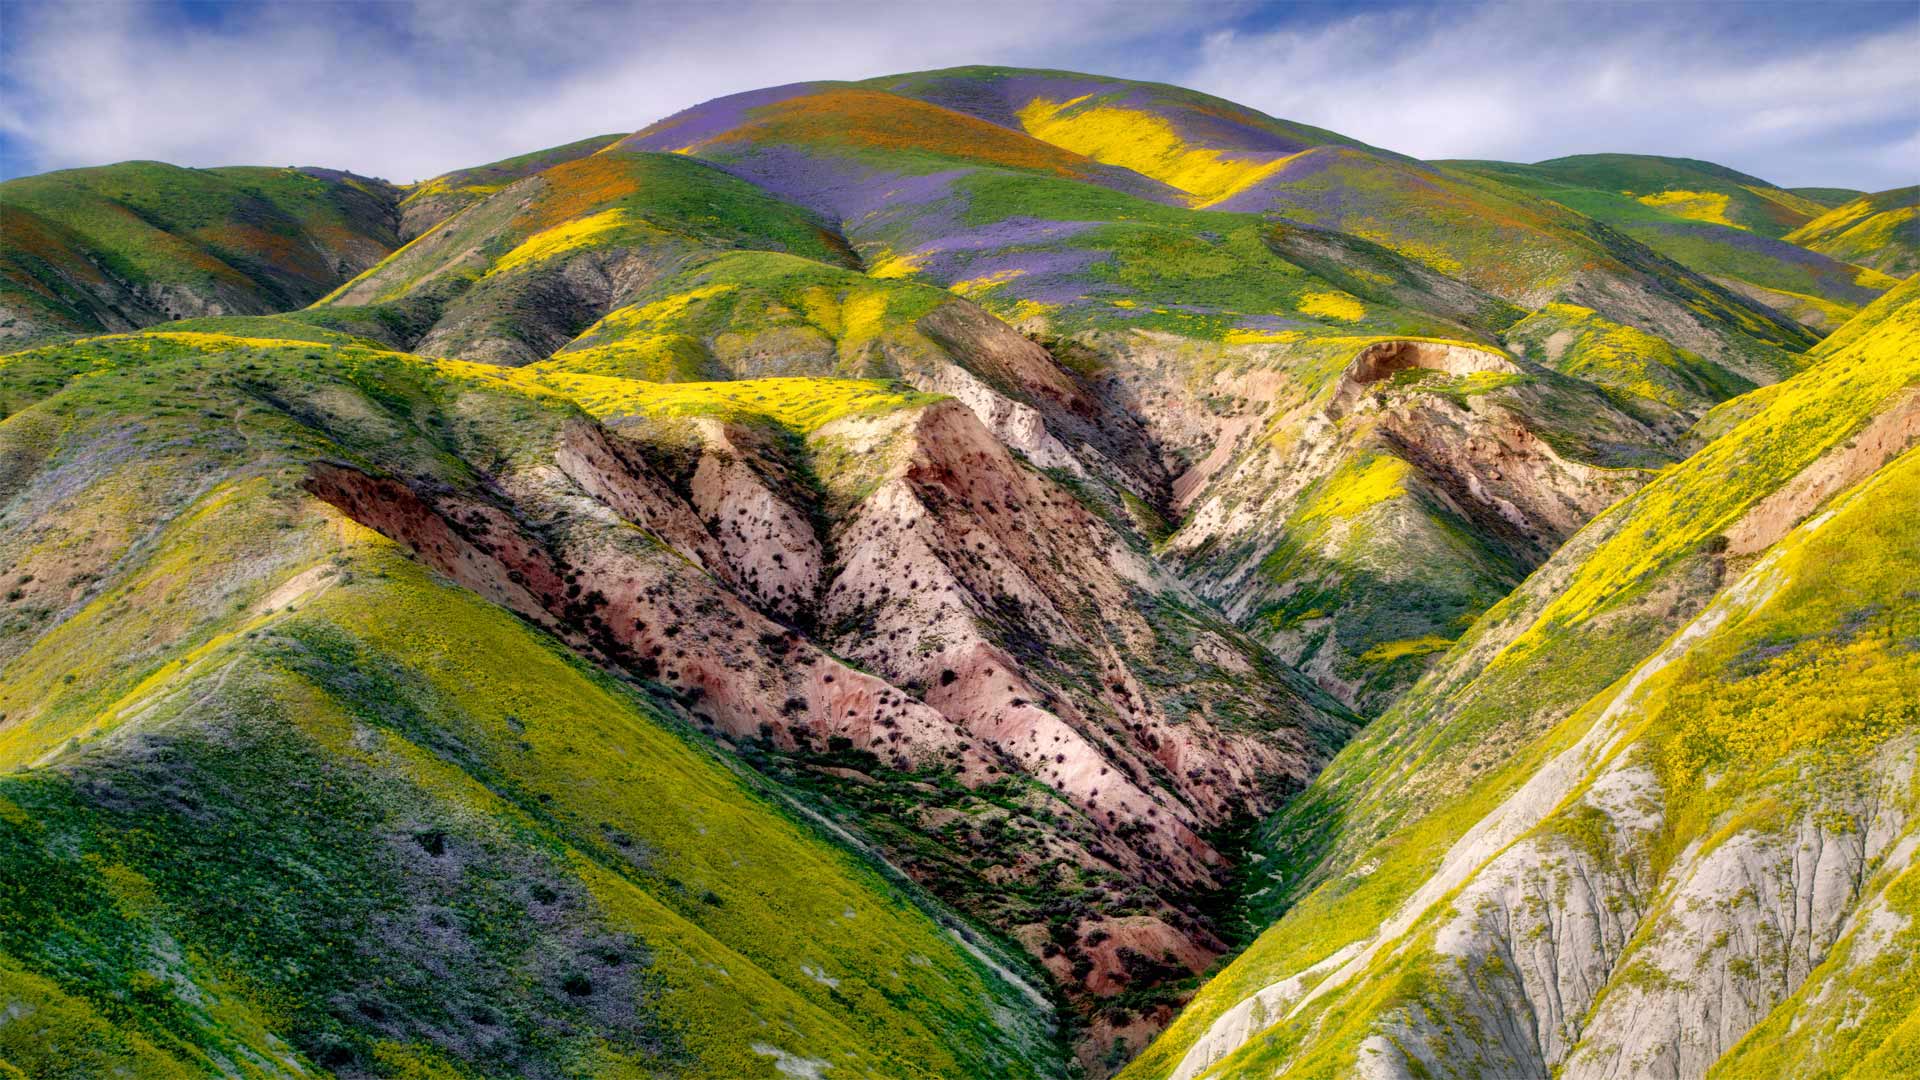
{"points": [[1741, 928], [1018, 427], [1471, 460], [1382, 359], [769, 543], [1254, 1013]]}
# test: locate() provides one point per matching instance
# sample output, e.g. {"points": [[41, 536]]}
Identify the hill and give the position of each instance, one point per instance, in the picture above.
{"points": [[1727, 226], [1881, 230], [128, 245], [1596, 844]]}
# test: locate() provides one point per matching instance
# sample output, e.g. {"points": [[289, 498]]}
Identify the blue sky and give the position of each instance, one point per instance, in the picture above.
{"points": [[1801, 94]]}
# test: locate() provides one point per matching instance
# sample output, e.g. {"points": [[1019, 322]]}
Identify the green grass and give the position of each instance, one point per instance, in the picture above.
{"points": [[760, 314], [1742, 244], [1741, 200], [1370, 830], [258, 238], [1880, 230], [278, 790]]}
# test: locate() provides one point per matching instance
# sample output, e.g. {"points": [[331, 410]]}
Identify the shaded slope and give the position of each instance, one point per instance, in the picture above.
{"points": [[1812, 287], [1536, 859], [442, 841], [128, 245], [1690, 189], [1881, 230]]}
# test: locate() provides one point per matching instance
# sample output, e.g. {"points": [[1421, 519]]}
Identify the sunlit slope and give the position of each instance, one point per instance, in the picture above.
{"points": [[289, 803], [1687, 188], [128, 245], [1881, 230], [1228, 158], [1828, 197], [1529, 775], [1733, 246], [927, 190], [850, 150], [1205, 147], [432, 201], [518, 274]]}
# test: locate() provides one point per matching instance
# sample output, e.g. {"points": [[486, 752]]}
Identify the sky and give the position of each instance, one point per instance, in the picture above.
{"points": [[1800, 94]]}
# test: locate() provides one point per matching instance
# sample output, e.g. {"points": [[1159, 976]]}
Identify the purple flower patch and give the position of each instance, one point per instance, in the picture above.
{"points": [[716, 117]]}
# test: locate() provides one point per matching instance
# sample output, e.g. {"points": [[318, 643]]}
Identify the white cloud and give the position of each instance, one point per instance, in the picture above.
{"points": [[1797, 104], [411, 90]]}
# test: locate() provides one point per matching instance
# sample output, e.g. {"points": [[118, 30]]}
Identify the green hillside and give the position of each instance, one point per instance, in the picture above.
{"points": [[1881, 230], [443, 842], [1730, 229], [1366, 860], [122, 246]]}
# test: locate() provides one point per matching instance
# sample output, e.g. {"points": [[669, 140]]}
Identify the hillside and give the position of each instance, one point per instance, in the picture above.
{"points": [[1602, 846], [1735, 229], [1881, 230], [984, 572], [443, 841], [128, 245]]}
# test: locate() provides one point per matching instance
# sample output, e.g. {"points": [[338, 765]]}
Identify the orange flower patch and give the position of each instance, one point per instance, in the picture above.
{"points": [[871, 119]]}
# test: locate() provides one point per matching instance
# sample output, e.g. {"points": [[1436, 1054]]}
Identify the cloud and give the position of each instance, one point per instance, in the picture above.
{"points": [[1804, 94], [1786, 93], [411, 90]]}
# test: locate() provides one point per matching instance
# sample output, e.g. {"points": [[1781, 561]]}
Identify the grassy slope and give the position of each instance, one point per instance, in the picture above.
{"points": [[1739, 242], [1698, 190], [445, 847], [1228, 158], [432, 201], [750, 314], [1028, 228], [1640, 372], [1881, 230], [1492, 712], [1828, 197], [597, 202], [493, 282], [87, 248]]}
